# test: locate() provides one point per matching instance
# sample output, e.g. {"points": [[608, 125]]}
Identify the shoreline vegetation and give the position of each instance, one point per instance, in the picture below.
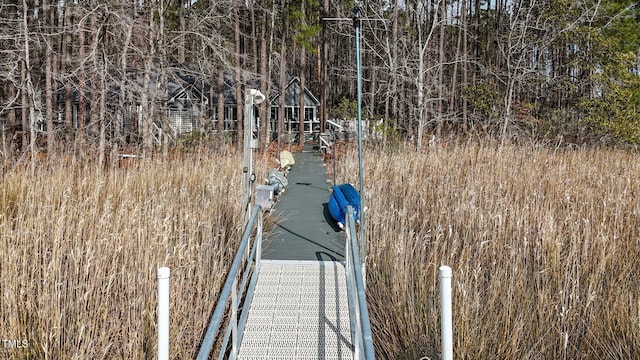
{"points": [[544, 246], [81, 248]]}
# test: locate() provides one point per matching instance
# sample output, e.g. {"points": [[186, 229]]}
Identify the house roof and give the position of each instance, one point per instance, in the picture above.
{"points": [[210, 86], [292, 95], [182, 81]]}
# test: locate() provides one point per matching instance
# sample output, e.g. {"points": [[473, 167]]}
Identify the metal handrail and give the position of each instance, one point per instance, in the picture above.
{"points": [[362, 338], [231, 291], [250, 254]]}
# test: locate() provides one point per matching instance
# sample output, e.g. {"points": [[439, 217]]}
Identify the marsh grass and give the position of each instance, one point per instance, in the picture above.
{"points": [[80, 249], [544, 246]]}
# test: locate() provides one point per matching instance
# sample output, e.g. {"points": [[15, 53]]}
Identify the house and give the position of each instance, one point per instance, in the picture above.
{"points": [[187, 105], [193, 103], [190, 104], [292, 105]]}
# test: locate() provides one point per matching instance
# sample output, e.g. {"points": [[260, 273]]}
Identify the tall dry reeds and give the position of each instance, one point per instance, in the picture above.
{"points": [[544, 245], [80, 249]]}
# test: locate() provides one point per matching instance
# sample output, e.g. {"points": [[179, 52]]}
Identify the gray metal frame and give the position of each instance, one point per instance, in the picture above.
{"points": [[250, 255], [246, 267], [358, 310]]}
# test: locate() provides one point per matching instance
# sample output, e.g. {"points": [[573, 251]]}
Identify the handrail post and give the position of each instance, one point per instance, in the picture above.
{"points": [[234, 320], [229, 290], [258, 244], [363, 342], [163, 313], [446, 316], [351, 236]]}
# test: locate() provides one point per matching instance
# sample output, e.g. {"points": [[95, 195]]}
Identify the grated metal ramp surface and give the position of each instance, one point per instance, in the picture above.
{"points": [[299, 311]]}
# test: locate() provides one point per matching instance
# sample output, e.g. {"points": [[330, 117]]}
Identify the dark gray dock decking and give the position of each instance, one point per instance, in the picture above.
{"points": [[306, 230], [299, 309]]}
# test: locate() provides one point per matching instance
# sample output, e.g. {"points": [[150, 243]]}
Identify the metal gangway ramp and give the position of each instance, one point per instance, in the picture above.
{"points": [[298, 311], [302, 295]]}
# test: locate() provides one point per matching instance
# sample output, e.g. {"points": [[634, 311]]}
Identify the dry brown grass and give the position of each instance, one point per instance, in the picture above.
{"points": [[80, 249], [544, 244], [544, 247]]}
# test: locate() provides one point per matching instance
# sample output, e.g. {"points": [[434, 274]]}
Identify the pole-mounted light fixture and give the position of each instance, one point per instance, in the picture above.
{"points": [[257, 95], [251, 97]]}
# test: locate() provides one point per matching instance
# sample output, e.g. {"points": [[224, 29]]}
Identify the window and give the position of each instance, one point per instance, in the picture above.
{"points": [[230, 118]]}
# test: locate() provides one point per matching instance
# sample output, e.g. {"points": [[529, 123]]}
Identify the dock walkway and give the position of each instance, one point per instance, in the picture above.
{"points": [[306, 230], [300, 309]]}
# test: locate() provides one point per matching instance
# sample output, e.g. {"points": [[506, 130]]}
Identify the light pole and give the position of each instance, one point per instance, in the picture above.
{"points": [[363, 243], [251, 97], [356, 24]]}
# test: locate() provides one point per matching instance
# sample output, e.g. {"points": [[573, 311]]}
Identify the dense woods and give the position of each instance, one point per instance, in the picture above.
{"points": [[95, 75]]}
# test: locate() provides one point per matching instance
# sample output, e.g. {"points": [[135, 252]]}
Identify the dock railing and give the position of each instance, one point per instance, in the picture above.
{"points": [[239, 286], [358, 310], [245, 267]]}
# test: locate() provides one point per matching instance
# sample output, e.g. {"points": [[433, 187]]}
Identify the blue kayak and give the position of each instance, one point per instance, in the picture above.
{"points": [[342, 196]]}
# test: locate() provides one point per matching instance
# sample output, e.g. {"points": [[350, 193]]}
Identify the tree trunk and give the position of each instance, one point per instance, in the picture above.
{"points": [[393, 68], [182, 35], [441, 58], [161, 88], [24, 100], [264, 78], [67, 65], [49, 94], [303, 80], [453, 97], [95, 90], [373, 85], [238, 73], [28, 90], [220, 106], [9, 137], [146, 98], [465, 65], [283, 78], [324, 59], [82, 86], [125, 105], [145, 108], [101, 68], [254, 38]]}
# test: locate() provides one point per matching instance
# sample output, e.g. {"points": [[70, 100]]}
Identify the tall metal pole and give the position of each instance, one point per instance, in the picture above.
{"points": [[247, 168], [251, 97], [363, 243]]}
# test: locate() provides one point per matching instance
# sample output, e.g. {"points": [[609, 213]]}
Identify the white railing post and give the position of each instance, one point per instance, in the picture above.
{"points": [[258, 240], [163, 313], [446, 316], [234, 321]]}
